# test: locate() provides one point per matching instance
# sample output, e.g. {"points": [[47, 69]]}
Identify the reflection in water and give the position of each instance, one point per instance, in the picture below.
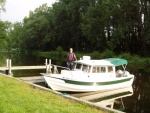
{"points": [[107, 99], [140, 101]]}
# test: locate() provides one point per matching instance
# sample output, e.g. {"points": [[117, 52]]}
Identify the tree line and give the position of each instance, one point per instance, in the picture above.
{"points": [[85, 25]]}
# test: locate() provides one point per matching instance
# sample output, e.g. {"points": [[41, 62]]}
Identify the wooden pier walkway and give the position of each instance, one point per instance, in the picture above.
{"points": [[8, 68], [33, 79], [23, 67]]}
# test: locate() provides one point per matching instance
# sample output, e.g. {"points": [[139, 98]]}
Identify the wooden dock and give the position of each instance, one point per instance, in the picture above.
{"points": [[33, 79], [8, 68], [23, 67]]}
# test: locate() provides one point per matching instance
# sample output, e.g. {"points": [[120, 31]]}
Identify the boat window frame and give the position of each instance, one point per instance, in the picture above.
{"points": [[98, 69], [110, 71], [87, 67], [76, 65]]}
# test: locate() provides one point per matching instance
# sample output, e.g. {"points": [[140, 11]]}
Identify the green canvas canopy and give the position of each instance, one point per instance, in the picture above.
{"points": [[117, 61]]}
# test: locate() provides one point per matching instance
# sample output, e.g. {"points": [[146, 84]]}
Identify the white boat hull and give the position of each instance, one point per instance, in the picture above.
{"points": [[64, 84]]}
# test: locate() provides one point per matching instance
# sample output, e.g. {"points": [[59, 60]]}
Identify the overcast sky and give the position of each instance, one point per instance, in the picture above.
{"points": [[16, 10]]}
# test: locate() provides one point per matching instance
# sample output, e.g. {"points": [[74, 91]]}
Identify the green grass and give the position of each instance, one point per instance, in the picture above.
{"points": [[20, 97]]}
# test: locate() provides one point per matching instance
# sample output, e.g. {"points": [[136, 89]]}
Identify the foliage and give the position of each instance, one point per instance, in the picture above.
{"points": [[105, 54], [15, 36], [2, 4], [95, 55], [126, 56], [59, 53], [108, 54], [36, 33], [4, 37], [136, 64], [121, 26]]}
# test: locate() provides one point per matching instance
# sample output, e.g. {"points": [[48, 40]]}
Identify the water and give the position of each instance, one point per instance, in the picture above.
{"points": [[137, 101]]}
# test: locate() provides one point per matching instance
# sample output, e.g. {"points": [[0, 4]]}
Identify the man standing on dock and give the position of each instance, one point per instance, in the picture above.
{"points": [[70, 58]]}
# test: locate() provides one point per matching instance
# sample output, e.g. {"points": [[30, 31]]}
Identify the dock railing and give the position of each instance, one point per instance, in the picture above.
{"points": [[48, 67], [8, 68]]}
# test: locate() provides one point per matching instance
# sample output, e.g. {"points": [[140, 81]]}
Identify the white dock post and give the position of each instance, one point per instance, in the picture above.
{"points": [[55, 69], [7, 62], [7, 65], [49, 66], [9, 68], [46, 65]]}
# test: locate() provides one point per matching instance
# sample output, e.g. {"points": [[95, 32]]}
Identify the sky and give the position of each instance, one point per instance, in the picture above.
{"points": [[16, 10]]}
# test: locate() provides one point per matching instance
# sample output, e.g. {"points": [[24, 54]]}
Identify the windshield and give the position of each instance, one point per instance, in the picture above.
{"points": [[82, 67]]}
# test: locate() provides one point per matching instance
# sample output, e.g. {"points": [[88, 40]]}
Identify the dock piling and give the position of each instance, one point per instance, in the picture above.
{"points": [[7, 62], [9, 67], [49, 66], [46, 64]]}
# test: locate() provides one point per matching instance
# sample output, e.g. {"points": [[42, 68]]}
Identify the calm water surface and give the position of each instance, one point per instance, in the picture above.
{"points": [[137, 101]]}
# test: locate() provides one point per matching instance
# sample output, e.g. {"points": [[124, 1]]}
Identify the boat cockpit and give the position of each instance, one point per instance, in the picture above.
{"points": [[94, 69]]}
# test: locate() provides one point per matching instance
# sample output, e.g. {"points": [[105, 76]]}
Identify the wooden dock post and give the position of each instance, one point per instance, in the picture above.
{"points": [[49, 66], [46, 65], [7, 62], [9, 67]]}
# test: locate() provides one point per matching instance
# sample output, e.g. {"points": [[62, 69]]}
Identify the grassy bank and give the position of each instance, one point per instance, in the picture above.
{"points": [[19, 97]]}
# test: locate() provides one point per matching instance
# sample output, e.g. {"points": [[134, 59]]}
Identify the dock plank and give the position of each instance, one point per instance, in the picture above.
{"points": [[3, 68], [27, 67], [33, 79], [23, 67]]}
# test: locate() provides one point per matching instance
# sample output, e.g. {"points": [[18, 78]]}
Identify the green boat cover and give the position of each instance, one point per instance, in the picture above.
{"points": [[117, 61]]}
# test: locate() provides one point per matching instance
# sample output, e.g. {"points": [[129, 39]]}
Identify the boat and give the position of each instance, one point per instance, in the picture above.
{"points": [[89, 75]]}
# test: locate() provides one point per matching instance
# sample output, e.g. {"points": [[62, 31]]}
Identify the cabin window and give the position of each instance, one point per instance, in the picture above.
{"points": [[86, 68], [78, 66], [94, 70], [99, 70], [110, 69], [103, 69]]}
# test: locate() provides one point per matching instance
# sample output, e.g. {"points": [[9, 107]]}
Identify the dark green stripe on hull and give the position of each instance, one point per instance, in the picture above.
{"points": [[96, 83]]}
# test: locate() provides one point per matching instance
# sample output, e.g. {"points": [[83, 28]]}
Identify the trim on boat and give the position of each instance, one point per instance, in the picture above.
{"points": [[94, 83]]}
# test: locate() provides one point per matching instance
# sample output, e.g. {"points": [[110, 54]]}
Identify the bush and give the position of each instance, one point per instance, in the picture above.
{"points": [[95, 55], [139, 65], [126, 56], [107, 54]]}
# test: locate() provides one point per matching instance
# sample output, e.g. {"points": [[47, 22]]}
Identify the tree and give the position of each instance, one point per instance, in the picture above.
{"points": [[93, 25], [15, 36], [36, 29], [68, 21], [2, 4], [4, 31]]}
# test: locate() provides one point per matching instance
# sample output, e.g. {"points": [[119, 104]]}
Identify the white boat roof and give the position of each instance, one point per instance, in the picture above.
{"points": [[103, 62]]}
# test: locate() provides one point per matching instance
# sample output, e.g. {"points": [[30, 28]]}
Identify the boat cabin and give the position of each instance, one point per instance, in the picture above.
{"points": [[99, 66], [106, 67], [94, 66]]}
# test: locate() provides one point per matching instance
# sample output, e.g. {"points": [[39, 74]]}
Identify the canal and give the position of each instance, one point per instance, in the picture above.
{"points": [[135, 99]]}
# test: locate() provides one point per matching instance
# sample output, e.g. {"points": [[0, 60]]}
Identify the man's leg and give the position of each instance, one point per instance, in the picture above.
{"points": [[69, 64]]}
